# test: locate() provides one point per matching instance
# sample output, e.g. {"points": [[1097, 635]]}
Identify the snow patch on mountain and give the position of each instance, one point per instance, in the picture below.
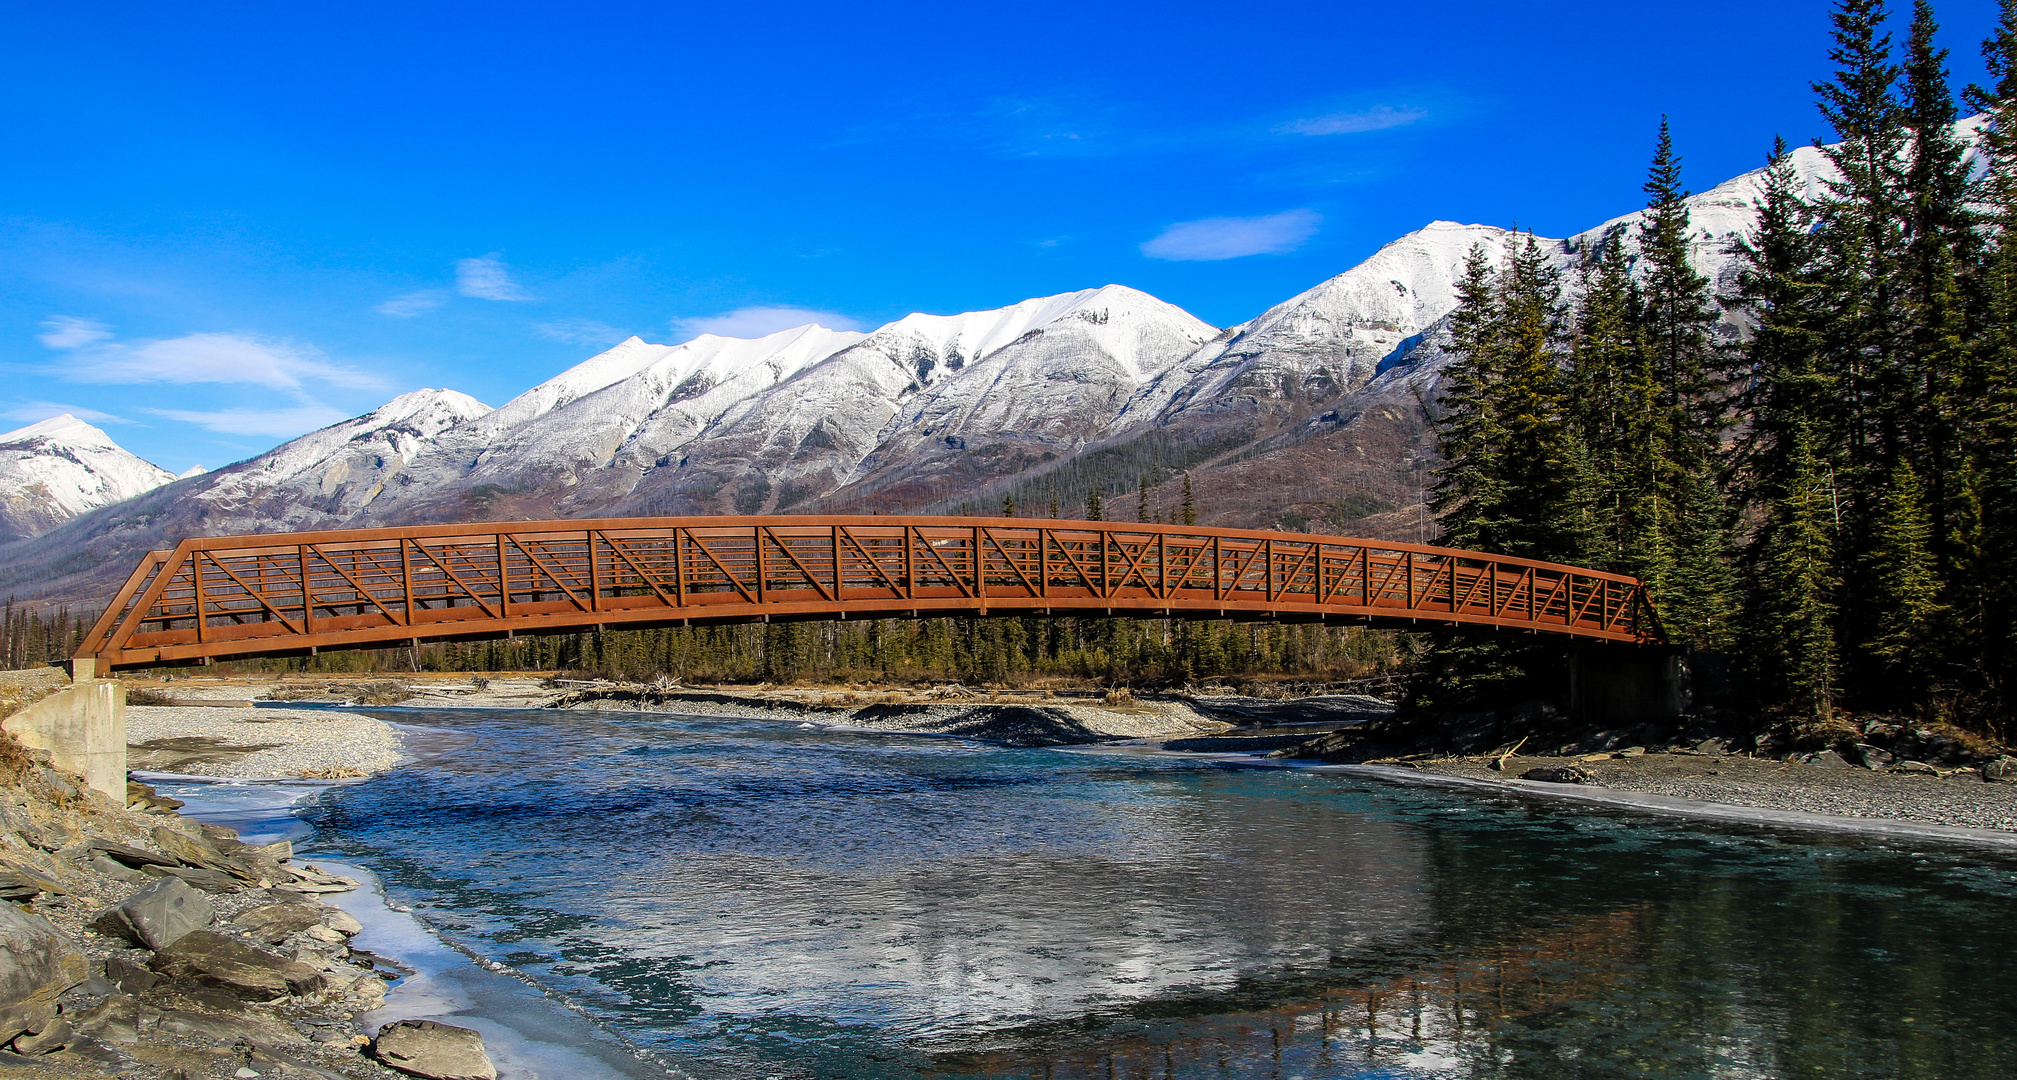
{"points": [[328, 475], [62, 467]]}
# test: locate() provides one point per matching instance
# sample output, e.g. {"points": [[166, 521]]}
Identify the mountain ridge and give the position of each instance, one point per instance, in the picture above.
{"points": [[1313, 414]]}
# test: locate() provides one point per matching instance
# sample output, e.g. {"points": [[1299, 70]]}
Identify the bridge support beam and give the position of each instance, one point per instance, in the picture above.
{"points": [[1626, 684], [83, 728]]}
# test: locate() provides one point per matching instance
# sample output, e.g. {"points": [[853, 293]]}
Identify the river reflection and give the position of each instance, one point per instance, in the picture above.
{"points": [[770, 899]]}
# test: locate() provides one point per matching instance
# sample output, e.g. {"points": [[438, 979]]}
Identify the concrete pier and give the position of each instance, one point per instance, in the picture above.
{"points": [[84, 730]]}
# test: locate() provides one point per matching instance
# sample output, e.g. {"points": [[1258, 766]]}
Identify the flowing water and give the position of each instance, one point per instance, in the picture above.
{"points": [[772, 899]]}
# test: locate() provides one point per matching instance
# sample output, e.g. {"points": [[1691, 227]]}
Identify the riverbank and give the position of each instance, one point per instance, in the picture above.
{"points": [[135, 941], [1958, 799]]}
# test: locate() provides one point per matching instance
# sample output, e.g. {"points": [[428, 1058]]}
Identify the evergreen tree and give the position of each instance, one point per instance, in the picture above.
{"points": [[1142, 499], [1903, 578], [1603, 394], [1093, 509], [1008, 506], [1783, 474], [1792, 636], [1940, 244], [1861, 239], [1190, 505], [1681, 527], [1470, 434]]}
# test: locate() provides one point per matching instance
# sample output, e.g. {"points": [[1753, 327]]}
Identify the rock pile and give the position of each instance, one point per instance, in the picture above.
{"points": [[138, 943]]}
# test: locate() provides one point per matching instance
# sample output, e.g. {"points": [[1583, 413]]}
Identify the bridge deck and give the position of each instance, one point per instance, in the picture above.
{"points": [[243, 596]]}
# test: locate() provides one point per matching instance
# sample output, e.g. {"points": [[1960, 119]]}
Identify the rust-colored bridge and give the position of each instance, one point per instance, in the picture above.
{"points": [[244, 596]]}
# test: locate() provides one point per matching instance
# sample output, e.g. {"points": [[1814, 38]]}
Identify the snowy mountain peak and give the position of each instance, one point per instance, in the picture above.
{"points": [[716, 360], [630, 356], [968, 336], [427, 412], [63, 428], [56, 469]]}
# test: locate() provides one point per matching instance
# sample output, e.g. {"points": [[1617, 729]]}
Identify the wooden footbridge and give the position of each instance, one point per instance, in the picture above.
{"points": [[293, 593]]}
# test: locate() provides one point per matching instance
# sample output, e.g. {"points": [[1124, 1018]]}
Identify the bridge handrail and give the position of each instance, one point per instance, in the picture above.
{"points": [[947, 567]]}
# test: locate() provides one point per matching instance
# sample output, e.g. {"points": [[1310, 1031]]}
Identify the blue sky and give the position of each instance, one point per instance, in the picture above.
{"points": [[223, 225]]}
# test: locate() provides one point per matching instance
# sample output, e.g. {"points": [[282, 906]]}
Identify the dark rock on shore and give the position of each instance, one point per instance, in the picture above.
{"points": [[1557, 774], [212, 959]]}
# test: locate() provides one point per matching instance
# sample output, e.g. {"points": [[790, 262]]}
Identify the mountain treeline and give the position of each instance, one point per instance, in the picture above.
{"points": [[1824, 495]]}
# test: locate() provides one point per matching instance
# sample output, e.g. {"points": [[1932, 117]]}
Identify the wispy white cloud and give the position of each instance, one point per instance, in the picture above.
{"points": [[413, 303], [34, 412], [755, 322], [1232, 237], [1377, 118], [579, 331], [65, 332], [487, 278], [208, 358], [265, 423]]}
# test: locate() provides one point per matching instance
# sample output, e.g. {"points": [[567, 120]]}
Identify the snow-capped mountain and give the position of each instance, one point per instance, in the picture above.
{"points": [[59, 468], [589, 449], [1331, 339], [930, 404]]}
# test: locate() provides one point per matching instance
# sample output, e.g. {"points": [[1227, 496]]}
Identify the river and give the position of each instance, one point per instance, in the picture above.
{"points": [[775, 899]]}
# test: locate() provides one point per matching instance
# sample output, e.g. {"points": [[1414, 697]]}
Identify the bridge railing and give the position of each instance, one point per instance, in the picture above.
{"points": [[239, 596]]}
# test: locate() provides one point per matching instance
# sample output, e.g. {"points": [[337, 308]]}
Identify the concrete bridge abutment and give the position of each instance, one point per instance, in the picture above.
{"points": [[83, 727], [1629, 684]]}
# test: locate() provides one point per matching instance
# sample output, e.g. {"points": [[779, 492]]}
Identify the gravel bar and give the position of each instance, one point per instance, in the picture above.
{"points": [[1960, 799], [321, 742]]}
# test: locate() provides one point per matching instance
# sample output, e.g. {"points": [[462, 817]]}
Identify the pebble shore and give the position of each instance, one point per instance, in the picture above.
{"points": [[284, 742], [1959, 799]]}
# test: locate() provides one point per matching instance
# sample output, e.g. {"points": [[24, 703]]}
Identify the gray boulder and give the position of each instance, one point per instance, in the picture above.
{"points": [[158, 915], [435, 1051], [1829, 759], [1914, 768], [275, 923], [2003, 770], [238, 969], [37, 962], [1874, 757]]}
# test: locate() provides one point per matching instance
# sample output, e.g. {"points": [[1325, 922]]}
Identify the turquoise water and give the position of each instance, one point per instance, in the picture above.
{"points": [[770, 899]]}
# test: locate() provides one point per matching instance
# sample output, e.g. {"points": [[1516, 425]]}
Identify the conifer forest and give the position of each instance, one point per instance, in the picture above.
{"points": [[1815, 475]]}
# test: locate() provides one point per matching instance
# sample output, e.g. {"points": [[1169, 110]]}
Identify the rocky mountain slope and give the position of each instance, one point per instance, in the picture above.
{"points": [[1315, 414], [55, 470]]}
